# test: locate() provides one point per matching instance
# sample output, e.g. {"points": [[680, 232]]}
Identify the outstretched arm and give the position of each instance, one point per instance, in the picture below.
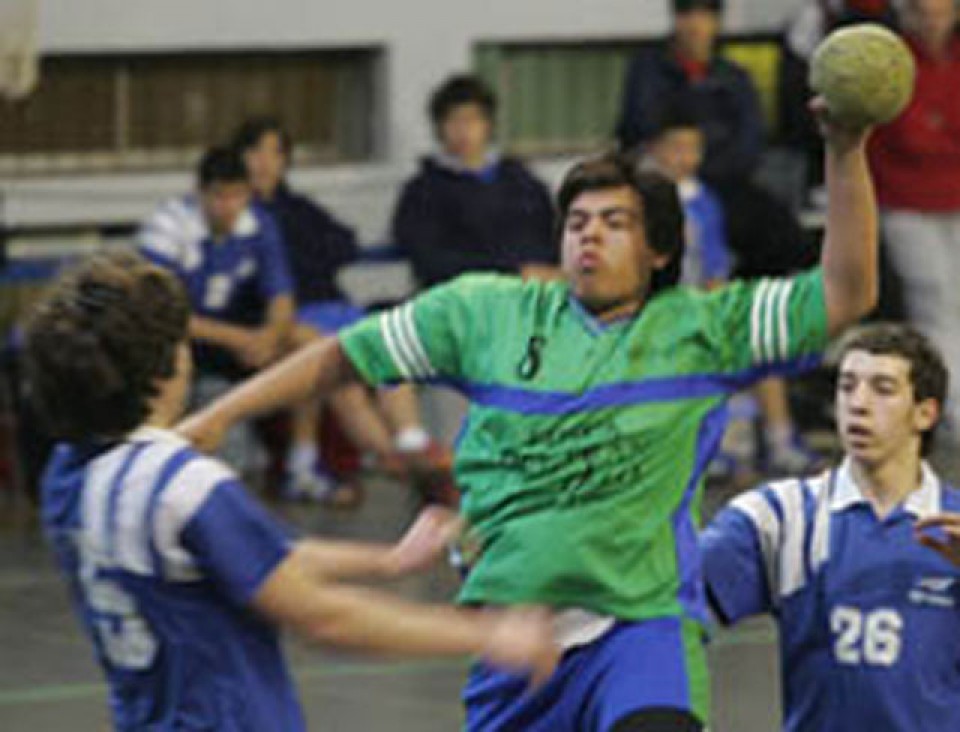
{"points": [[316, 369], [375, 621], [849, 256], [419, 548]]}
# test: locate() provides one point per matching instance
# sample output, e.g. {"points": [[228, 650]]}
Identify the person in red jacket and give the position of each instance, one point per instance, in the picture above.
{"points": [[916, 164]]}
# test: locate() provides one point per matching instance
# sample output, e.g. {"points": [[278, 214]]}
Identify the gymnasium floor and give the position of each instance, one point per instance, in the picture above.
{"points": [[49, 683]]}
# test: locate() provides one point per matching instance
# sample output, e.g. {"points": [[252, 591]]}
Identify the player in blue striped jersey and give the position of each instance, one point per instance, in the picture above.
{"points": [[180, 579], [869, 616]]}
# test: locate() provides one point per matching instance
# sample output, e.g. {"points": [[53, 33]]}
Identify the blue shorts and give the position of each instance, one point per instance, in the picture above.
{"points": [[647, 664], [329, 317]]}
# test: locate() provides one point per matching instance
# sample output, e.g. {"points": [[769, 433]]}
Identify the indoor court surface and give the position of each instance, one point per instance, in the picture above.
{"points": [[49, 683]]}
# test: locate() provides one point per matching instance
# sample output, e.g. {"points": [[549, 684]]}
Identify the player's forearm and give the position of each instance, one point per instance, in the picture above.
{"points": [[215, 332], [849, 256], [369, 620], [325, 560], [314, 370]]}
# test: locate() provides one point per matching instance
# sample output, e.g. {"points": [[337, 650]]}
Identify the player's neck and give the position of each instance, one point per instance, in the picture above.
{"points": [[166, 408], [618, 311], [475, 161], [161, 419], [887, 484]]}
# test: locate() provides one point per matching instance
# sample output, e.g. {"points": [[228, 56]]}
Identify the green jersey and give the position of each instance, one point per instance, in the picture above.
{"points": [[582, 457]]}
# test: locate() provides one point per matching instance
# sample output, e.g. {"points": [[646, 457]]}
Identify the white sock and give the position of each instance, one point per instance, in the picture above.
{"points": [[302, 457], [412, 439]]}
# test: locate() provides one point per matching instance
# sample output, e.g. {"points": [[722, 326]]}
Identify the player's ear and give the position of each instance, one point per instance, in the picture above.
{"points": [[926, 414], [661, 260]]}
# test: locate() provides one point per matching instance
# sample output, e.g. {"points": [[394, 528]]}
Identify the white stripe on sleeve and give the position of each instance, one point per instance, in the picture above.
{"points": [[408, 328], [756, 320], [393, 347], [767, 525]]}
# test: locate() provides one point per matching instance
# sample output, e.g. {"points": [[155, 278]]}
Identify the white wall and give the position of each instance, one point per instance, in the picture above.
{"points": [[424, 40]]}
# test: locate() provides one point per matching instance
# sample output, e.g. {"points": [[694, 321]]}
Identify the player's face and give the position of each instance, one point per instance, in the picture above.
{"points": [[877, 414], [223, 202], [695, 31], [266, 164], [465, 132], [678, 153], [931, 20], [606, 257]]}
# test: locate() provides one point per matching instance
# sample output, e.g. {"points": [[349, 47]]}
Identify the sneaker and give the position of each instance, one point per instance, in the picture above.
{"points": [[346, 495], [319, 486], [308, 485]]}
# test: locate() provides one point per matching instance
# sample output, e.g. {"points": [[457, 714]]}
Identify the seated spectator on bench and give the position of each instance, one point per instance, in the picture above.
{"points": [[230, 257], [386, 424], [470, 209]]}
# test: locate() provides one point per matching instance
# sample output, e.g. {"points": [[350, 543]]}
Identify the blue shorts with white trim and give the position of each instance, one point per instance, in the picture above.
{"points": [[649, 664]]}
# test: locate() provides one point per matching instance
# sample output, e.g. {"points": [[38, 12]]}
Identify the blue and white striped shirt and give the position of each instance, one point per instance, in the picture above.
{"points": [[869, 618], [164, 550]]}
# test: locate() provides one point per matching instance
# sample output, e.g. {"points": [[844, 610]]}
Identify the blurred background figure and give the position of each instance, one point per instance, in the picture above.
{"points": [[471, 209], [676, 149], [318, 247], [916, 163], [762, 231], [230, 256]]}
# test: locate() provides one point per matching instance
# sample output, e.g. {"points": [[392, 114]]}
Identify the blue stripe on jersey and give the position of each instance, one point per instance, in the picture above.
{"points": [[648, 391], [166, 475], [773, 500], [691, 594], [113, 498], [810, 512]]}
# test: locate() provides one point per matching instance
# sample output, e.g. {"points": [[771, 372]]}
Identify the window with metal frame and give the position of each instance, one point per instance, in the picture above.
{"points": [[159, 110], [564, 97]]}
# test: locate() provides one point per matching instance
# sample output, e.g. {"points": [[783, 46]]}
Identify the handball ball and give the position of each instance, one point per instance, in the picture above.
{"points": [[865, 74]]}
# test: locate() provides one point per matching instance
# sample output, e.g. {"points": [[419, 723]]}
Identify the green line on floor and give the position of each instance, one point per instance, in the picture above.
{"points": [[68, 692], [47, 693]]}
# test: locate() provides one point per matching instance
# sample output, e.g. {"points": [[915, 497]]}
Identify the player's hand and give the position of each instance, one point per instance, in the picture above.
{"points": [[258, 347], [521, 640], [839, 137], [941, 532], [425, 542], [205, 429]]}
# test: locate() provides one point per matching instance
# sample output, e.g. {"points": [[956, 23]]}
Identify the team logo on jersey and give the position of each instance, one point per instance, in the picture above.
{"points": [[936, 591], [246, 268]]}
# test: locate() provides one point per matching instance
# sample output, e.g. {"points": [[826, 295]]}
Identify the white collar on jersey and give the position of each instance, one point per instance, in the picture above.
{"points": [[147, 433], [689, 188], [246, 224], [922, 502]]}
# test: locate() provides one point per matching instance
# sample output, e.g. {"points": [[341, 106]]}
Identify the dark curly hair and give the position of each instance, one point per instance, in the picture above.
{"points": [[98, 342], [660, 202], [929, 376]]}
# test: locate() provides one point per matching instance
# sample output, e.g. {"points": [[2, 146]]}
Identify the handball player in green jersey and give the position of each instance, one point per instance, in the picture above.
{"points": [[596, 404]]}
